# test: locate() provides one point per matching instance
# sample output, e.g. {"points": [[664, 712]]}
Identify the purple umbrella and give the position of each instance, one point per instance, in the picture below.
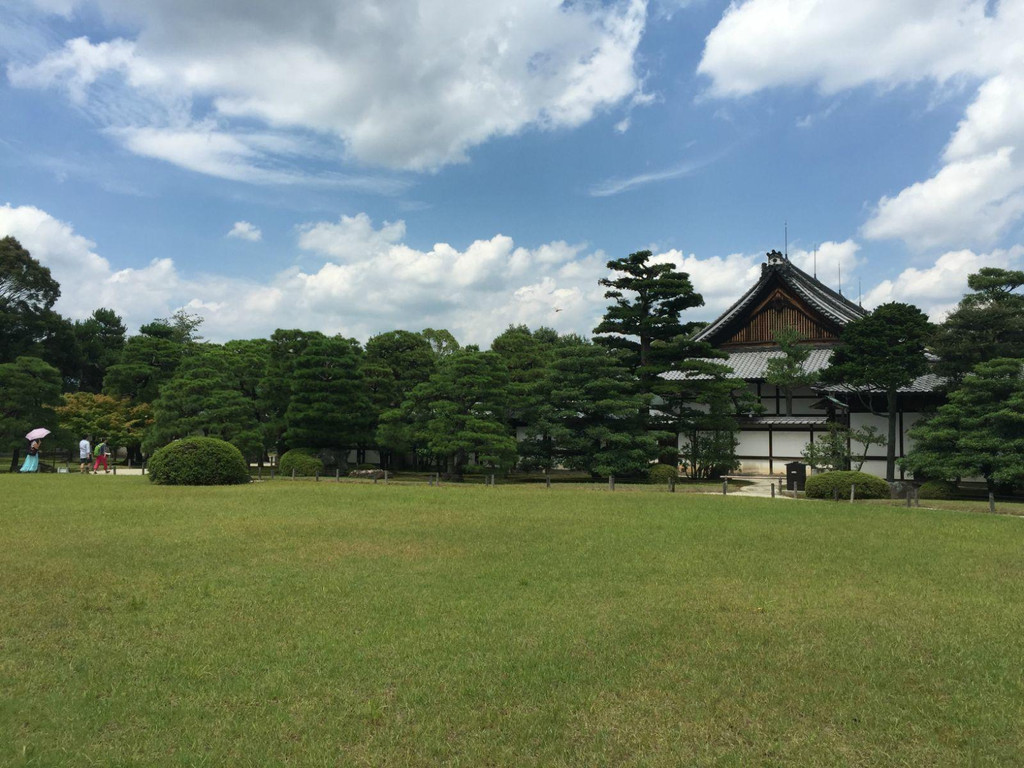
{"points": [[37, 434]]}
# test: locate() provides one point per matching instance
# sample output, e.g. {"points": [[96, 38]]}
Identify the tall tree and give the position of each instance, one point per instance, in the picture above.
{"points": [[787, 371], [441, 341], [394, 362], [882, 353], [204, 398], [29, 391], [27, 295], [456, 414], [100, 340], [593, 416], [647, 301], [988, 323], [275, 389], [527, 356], [147, 361], [979, 432], [328, 408]]}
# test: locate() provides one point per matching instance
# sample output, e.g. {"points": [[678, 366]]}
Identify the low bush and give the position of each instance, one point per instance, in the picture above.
{"points": [[659, 474], [830, 484], [302, 461], [937, 489], [198, 461]]}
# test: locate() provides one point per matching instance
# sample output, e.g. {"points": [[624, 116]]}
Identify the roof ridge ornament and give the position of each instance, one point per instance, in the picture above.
{"points": [[774, 259]]}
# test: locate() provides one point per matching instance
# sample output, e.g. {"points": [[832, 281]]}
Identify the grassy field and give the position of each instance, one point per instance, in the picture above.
{"points": [[353, 624]]}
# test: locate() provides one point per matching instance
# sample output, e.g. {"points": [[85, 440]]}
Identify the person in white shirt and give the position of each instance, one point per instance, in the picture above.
{"points": [[84, 451]]}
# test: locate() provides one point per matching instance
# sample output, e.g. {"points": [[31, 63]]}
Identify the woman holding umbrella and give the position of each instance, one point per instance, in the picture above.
{"points": [[32, 459]]}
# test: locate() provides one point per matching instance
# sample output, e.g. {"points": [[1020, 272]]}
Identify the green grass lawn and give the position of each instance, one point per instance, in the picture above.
{"points": [[356, 624]]}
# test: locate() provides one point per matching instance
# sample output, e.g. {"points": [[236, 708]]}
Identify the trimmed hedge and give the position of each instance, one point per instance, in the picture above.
{"points": [[937, 489], [825, 486], [198, 461], [660, 474], [302, 461]]}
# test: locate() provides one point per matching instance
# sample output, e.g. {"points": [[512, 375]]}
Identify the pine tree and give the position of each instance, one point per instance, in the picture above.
{"points": [[980, 430]]}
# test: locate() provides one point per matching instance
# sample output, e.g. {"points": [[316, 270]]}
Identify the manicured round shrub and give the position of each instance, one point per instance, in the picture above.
{"points": [[302, 461], [660, 474], [937, 489], [198, 461], [829, 484]]}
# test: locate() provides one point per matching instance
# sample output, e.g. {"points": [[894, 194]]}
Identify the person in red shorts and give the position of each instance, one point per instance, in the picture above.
{"points": [[101, 453]]}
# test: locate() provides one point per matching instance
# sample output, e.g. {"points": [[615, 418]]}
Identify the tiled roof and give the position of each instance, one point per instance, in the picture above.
{"points": [[831, 304], [787, 421], [751, 365]]}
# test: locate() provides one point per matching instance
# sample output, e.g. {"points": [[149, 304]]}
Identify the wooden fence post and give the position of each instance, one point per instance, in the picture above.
{"points": [[991, 502], [611, 482], [725, 487], [853, 492]]}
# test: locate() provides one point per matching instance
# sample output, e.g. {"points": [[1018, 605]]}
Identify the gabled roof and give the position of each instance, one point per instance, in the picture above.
{"points": [[751, 365], [780, 273]]}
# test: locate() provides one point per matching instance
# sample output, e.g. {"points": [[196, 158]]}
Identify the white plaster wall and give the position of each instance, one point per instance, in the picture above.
{"points": [[752, 443], [788, 445]]}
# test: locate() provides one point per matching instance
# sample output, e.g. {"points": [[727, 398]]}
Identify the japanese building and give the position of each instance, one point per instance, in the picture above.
{"points": [[787, 297]]}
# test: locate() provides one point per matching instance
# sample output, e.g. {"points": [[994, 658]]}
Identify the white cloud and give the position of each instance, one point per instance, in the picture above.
{"points": [[412, 84], [243, 230], [938, 288], [370, 281], [974, 201], [830, 261], [977, 195], [720, 280]]}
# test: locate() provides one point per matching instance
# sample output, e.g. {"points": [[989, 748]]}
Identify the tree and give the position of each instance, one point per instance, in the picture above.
{"points": [[394, 363], [441, 341], [328, 408], [456, 415], [29, 390], [101, 416], [593, 416], [27, 295], [248, 361], [700, 404], [275, 388], [987, 324], [203, 398], [100, 340], [881, 353], [648, 299], [979, 431], [787, 372], [527, 356], [146, 362]]}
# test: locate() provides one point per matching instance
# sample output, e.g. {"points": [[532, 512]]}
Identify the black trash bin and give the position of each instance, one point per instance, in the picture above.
{"points": [[796, 476]]}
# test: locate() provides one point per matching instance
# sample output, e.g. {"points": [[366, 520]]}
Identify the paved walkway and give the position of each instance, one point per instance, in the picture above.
{"points": [[759, 486]]}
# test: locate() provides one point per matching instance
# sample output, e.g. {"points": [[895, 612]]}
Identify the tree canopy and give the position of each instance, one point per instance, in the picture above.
{"points": [[644, 318], [988, 323], [882, 353], [979, 432]]}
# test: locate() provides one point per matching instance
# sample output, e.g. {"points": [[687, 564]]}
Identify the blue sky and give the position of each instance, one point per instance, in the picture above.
{"points": [[361, 166]]}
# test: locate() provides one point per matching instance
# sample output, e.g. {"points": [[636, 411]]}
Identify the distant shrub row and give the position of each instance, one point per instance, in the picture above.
{"points": [[832, 484]]}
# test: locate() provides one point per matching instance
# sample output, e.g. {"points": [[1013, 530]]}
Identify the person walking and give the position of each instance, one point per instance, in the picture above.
{"points": [[32, 458], [101, 453], [84, 452]]}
